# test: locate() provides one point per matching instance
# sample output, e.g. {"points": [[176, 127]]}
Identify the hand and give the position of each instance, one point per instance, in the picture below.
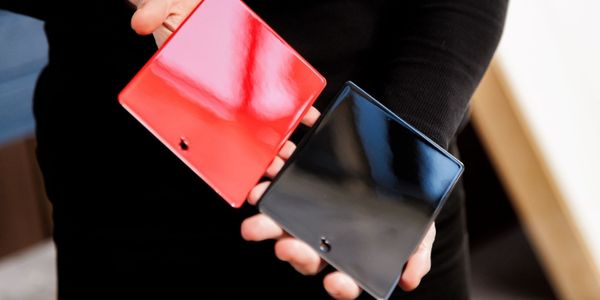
{"points": [[160, 17], [303, 258]]}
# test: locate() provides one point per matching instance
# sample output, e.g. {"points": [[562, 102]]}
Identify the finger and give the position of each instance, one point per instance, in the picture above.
{"points": [[172, 22], [418, 264], [180, 11], [341, 286], [150, 15], [286, 151], [259, 228], [161, 35], [301, 256], [257, 192], [311, 117], [274, 168], [430, 236]]}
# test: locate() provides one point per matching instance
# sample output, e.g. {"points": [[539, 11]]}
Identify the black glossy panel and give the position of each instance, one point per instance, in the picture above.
{"points": [[362, 190]]}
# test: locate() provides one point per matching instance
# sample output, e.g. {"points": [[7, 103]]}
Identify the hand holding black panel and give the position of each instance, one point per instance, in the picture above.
{"points": [[362, 189]]}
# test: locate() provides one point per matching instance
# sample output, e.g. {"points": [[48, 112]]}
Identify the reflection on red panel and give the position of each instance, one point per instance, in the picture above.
{"points": [[230, 89]]}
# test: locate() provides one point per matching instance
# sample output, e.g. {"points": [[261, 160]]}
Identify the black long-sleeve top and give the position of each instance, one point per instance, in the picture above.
{"points": [[128, 212]]}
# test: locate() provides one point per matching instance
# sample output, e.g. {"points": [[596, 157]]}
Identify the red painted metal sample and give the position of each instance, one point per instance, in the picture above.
{"points": [[224, 93]]}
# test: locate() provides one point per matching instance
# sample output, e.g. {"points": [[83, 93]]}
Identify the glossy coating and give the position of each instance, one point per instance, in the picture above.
{"points": [[362, 190], [224, 93]]}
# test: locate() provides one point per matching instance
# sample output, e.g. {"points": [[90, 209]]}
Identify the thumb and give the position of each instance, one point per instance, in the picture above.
{"points": [[150, 15]]}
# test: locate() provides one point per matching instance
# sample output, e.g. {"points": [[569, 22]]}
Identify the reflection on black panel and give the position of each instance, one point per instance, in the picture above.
{"points": [[366, 182]]}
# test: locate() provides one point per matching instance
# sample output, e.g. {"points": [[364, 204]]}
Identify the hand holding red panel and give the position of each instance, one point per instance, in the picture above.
{"points": [[224, 93]]}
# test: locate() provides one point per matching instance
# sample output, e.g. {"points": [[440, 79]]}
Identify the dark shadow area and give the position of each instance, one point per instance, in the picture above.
{"points": [[503, 263]]}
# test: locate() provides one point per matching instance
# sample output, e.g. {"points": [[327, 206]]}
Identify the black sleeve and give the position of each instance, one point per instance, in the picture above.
{"points": [[434, 57], [38, 9]]}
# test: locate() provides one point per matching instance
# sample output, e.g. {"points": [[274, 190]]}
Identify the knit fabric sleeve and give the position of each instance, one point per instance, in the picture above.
{"points": [[434, 60]]}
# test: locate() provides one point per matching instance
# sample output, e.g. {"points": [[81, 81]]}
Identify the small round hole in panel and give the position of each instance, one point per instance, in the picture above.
{"points": [[183, 144], [325, 246]]}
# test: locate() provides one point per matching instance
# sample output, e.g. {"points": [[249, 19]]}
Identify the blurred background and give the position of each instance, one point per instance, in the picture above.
{"points": [[530, 151]]}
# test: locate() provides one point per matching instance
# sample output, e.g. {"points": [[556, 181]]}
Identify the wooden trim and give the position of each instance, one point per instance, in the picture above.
{"points": [[45, 208], [542, 208], [23, 208]]}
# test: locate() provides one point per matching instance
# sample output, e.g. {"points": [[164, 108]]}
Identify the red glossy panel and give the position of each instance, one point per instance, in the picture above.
{"points": [[229, 86]]}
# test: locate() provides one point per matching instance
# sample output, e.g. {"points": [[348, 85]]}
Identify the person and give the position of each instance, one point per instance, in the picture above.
{"points": [[132, 221]]}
